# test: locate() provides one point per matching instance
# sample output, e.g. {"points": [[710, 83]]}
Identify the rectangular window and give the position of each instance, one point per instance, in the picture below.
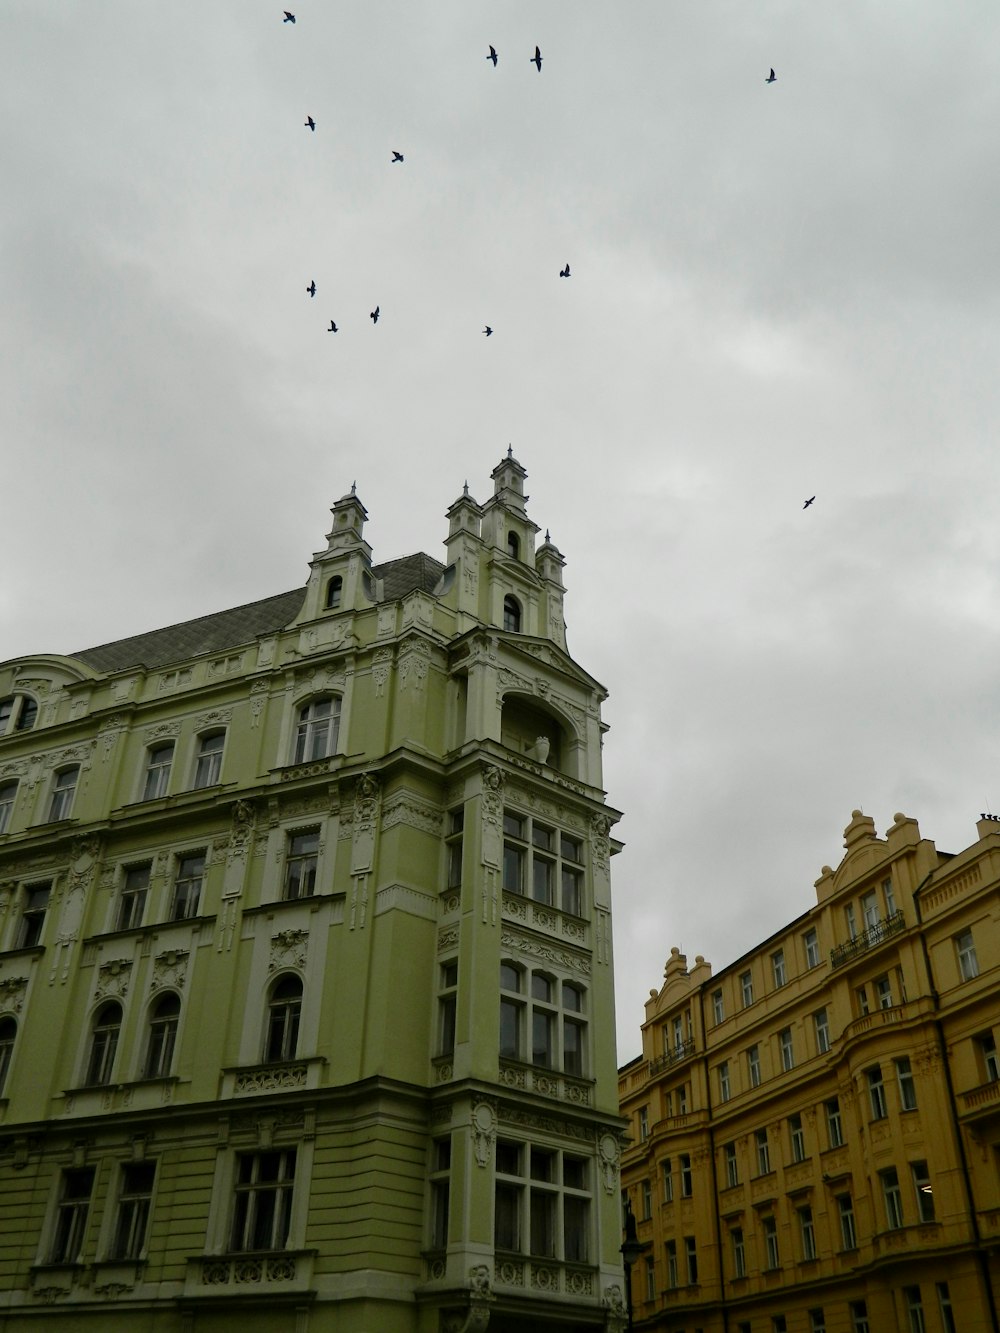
{"points": [[643, 1123], [510, 1029], [208, 767], [63, 791], [672, 1264], [807, 1233], [797, 1138], [859, 1317], [571, 874], [739, 1252], [862, 998], [770, 1229], [453, 847], [944, 1307], [650, 1280], [746, 988], [514, 854], [36, 902], [923, 1190], [646, 1195], [779, 1323], [851, 921], [301, 863], [732, 1166], [542, 1219], [507, 1216], [869, 910], [440, 1194], [848, 1231], [892, 1198], [763, 1152], [821, 1025], [691, 1258], [876, 1093], [968, 963], [989, 1063], [157, 777], [787, 1051], [834, 1127], [718, 1007], [134, 1201], [883, 992], [8, 795], [132, 903], [667, 1176], [447, 1006], [778, 968], [890, 898], [753, 1066], [817, 1321], [687, 1187], [187, 886], [907, 1088], [71, 1215], [724, 1092], [914, 1309], [811, 941], [263, 1200]]}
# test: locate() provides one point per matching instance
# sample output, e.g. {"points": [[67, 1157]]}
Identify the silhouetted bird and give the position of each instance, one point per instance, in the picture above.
{"points": [[487, 330], [310, 122], [396, 157], [332, 328], [374, 315], [564, 272], [289, 17], [771, 77], [493, 56], [311, 289], [536, 60], [809, 502]]}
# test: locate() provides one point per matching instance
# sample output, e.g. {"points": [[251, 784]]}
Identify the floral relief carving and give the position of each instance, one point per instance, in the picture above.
{"points": [[169, 969], [12, 992], [288, 949], [113, 978], [216, 717]]}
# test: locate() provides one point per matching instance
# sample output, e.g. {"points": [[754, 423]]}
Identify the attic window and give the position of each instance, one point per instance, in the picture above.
{"points": [[333, 592], [511, 615], [513, 546], [18, 712]]}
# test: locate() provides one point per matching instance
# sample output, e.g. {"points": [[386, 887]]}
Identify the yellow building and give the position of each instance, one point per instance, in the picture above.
{"points": [[306, 994], [816, 1129]]}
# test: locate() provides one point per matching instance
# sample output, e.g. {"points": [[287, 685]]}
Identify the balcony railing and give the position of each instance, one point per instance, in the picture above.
{"points": [[681, 1050], [868, 939]]}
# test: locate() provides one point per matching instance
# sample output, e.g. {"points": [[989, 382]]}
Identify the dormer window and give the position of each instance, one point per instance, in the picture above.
{"points": [[513, 546], [18, 712], [334, 591], [512, 615]]}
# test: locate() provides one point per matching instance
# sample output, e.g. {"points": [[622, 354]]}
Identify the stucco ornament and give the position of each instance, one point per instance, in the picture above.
{"points": [[609, 1153], [484, 1128]]}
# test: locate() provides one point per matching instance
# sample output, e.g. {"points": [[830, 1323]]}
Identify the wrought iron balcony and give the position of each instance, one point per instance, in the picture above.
{"points": [[679, 1051], [868, 939]]}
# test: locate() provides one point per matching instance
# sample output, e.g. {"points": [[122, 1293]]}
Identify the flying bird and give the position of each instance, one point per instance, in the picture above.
{"points": [[311, 289], [564, 272], [396, 157], [374, 315], [771, 77], [289, 17], [809, 502], [487, 330], [332, 328], [310, 122], [493, 56], [536, 60]]}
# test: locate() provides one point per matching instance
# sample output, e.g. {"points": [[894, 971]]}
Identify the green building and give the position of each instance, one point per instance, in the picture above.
{"points": [[306, 991]]}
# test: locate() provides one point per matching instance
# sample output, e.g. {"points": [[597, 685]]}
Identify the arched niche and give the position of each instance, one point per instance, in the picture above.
{"points": [[525, 727]]}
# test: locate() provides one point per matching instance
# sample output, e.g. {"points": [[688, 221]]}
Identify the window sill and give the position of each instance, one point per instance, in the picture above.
{"points": [[311, 900], [26, 951], [150, 928]]}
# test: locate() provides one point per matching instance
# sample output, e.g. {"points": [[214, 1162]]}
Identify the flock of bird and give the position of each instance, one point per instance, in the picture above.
{"points": [[397, 156]]}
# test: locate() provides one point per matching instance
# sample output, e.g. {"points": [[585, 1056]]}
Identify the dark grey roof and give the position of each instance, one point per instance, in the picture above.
{"points": [[207, 634], [227, 629]]}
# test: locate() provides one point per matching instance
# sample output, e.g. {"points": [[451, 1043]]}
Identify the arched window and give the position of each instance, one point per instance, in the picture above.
{"points": [[318, 730], [512, 614], [104, 1044], [283, 1012], [8, 1034], [8, 794], [334, 590], [63, 791], [208, 768], [513, 546], [162, 1036], [18, 712]]}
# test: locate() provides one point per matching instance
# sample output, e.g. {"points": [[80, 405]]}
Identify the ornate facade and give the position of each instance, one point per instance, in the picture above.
{"points": [[816, 1129], [306, 993]]}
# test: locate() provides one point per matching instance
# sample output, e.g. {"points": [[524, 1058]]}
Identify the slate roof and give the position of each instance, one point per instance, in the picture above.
{"points": [[228, 629]]}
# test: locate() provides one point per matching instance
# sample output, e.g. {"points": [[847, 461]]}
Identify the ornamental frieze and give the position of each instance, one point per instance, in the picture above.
{"points": [[413, 812], [549, 953]]}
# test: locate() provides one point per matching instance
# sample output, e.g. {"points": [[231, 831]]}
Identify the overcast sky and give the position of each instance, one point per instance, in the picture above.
{"points": [[776, 291]]}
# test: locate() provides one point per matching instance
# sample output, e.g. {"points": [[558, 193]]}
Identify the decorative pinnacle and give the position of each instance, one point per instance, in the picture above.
{"points": [[510, 451], [465, 488], [354, 488]]}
